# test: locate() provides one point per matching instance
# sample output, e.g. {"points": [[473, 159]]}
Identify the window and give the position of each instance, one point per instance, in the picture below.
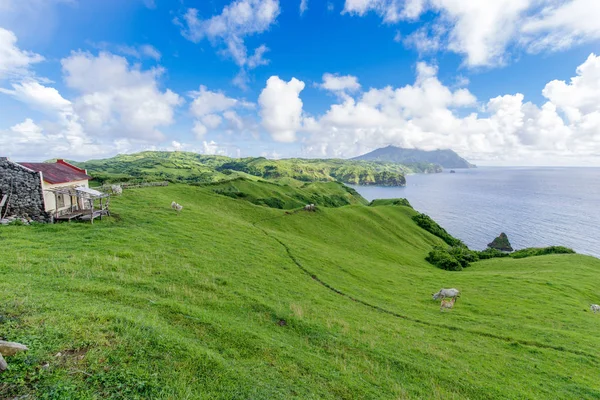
{"points": [[60, 201]]}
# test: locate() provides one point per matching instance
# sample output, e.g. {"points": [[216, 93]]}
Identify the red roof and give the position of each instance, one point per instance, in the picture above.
{"points": [[58, 172]]}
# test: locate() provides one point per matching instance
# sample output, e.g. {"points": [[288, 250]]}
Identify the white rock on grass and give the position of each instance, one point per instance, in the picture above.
{"points": [[3, 364], [11, 348]]}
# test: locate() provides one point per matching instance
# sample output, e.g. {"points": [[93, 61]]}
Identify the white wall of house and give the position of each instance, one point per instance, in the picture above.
{"points": [[50, 199]]}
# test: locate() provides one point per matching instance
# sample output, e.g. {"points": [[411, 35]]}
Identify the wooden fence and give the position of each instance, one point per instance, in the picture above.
{"points": [[108, 188]]}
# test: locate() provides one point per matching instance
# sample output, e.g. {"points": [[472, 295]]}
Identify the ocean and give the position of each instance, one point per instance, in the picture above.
{"points": [[535, 207]]}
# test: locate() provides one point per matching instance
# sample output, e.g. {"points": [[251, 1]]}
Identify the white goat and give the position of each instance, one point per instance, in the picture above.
{"points": [[177, 207], [443, 293], [594, 308], [447, 304]]}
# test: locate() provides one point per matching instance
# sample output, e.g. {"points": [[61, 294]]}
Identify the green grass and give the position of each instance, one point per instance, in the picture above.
{"points": [[232, 300], [187, 167]]}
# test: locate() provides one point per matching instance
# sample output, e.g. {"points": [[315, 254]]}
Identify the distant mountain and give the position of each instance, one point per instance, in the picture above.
{"points": [[445, 158]]}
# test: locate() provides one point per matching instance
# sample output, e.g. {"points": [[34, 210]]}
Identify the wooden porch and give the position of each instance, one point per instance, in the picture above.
{"points": [[86, 204]]}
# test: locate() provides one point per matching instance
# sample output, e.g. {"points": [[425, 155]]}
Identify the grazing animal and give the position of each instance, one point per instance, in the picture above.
{"points": [[447, 304], [177, 207], [594, 308], [443, 293]]}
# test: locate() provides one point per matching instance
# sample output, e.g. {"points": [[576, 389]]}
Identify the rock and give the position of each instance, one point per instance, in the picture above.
{"points": [[11, 348], [501, 243], [3, 364], [4, 221]]}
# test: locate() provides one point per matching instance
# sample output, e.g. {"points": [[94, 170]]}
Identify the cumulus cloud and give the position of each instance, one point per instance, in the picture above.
{"points": [[209, 108], [430, 115], [117, 98], [340, 84], [228, 29], [484, 31], [561, 25], [14, 62], [281, 108]]}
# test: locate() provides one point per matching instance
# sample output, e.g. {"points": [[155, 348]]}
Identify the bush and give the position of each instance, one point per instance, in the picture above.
{"points": [[533, 251], [441, 258], [463, 255], [491, 253], [425, 222], [272, 202]]}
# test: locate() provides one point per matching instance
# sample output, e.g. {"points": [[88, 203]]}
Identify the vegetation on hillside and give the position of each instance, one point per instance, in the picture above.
{"points": [[444, 158], [425, 222], [232, 300], [274, 195], [186, 167]]}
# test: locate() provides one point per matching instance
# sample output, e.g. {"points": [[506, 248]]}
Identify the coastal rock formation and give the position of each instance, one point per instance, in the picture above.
{"points": [[501, 243]]}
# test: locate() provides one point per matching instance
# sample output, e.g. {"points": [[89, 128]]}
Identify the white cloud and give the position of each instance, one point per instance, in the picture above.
{"points": [[484, 31], [562, 25], [207, 102], [209, 108], [340, 84], [143, 51], [303, 6], [281, 108], [237, 20], [212, 120], [258, 57], [426, 115], [39, 97], [199, 129], [423, 41], [118, 99], [14, 62]]}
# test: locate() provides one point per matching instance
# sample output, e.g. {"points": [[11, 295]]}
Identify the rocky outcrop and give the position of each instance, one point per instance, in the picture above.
{"points": [[24, 188], [501, 243]]}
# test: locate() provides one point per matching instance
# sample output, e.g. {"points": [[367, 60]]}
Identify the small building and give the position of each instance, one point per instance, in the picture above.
{"points": [[45, 191]]}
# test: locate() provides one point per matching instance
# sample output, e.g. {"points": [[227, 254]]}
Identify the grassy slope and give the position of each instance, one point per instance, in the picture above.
{"points": [[193, 168], [151, 305]]}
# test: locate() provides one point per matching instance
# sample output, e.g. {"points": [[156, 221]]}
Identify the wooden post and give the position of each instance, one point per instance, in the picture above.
{"points": [[92, 208], [55, 205], [101, 209]]}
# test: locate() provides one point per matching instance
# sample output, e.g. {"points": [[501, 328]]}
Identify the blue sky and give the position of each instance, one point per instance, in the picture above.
{"points": [[510, 82]]}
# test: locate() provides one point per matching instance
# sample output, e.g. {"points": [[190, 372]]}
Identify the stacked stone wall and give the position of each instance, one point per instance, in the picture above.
{"points": [[24, 187]]}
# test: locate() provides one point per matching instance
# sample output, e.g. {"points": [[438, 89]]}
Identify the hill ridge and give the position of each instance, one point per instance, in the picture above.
{"points": [[445, 157]]}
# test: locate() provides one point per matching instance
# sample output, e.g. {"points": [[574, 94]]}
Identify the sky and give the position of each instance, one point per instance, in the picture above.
{"points": [[504, 82]]}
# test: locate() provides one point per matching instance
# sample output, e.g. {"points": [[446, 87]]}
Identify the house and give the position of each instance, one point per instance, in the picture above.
{"points": [[45, 191]]}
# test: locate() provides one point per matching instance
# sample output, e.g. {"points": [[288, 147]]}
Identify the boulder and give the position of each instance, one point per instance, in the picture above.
{"points": [[11, 348], [3, 364]]}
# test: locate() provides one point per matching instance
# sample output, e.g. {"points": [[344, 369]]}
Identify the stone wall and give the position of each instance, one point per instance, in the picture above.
{"points": [[27, 199]]}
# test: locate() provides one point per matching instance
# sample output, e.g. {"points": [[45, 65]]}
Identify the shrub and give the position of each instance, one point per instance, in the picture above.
{"points": [[272, 202], [533, 251], [425, 222], [441, 258], [491, 253], [463, 255]]}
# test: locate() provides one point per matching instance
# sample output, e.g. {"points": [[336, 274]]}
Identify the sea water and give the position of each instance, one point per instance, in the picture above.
{"points": [[535, 207]]}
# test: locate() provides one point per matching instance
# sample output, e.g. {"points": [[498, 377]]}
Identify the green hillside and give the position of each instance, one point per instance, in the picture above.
{"points": [[188, 167], [234, 300], [445, 158]]}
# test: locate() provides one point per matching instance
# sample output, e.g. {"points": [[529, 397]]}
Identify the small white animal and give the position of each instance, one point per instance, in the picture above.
{"points": [[447, 304], [595, 308], [443, 293], [177, 207]]}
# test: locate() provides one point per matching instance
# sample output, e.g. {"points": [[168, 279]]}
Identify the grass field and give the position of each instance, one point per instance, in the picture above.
{"points": [[232, 300]]}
